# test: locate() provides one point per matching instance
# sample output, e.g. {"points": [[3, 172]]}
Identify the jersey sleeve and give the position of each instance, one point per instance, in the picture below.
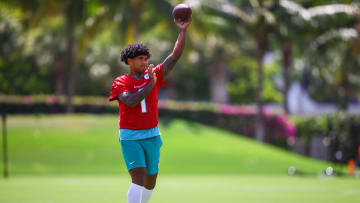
{"points": [[119, 86], [159, 74]]}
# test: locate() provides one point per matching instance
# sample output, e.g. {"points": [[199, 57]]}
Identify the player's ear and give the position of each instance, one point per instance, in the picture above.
{"points": [[129, 61]]}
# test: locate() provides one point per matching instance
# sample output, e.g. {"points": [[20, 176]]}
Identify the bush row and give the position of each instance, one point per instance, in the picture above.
{"points": [[341, 132]]}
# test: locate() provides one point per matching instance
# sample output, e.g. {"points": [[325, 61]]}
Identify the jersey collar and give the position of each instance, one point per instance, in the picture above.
{"points": [[138, 78]]}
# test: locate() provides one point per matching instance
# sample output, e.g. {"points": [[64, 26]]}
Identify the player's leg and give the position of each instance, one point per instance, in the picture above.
{"points": [[150, 181], [152, 158], [134, 158], [149, 185], [138, 175], [136, 189]]}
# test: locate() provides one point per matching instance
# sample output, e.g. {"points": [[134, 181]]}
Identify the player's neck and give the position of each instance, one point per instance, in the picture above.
{"points": [[132, 72]]}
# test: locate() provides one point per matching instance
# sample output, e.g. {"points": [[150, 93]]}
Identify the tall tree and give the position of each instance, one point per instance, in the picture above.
{"points": [[88, 18], [259, 22], [320, 17], [214, 38]]}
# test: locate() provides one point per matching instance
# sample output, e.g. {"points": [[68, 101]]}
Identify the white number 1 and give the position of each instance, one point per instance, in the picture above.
{"points": [[143, 106]]}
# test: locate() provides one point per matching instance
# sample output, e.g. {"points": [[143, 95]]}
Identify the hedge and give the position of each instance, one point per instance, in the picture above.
{"points": [[342, 131]]}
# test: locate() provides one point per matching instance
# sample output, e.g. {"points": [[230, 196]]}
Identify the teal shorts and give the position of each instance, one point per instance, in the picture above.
{"points": [[142, 153]]}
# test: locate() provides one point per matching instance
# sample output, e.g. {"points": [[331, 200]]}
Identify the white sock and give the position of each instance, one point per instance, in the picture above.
{"points": [[146, 194], [134, 193]]}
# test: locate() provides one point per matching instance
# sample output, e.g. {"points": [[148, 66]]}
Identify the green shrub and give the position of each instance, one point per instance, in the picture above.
{"points": [[342, 130]]}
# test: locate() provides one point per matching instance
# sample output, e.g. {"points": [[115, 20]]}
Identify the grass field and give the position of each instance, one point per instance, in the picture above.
{"points": [[78, 159], [88, 144], [186, 188]]}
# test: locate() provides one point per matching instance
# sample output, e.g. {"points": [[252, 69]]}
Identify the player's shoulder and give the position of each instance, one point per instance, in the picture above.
{"points": [[121, 81], [122, 78]]}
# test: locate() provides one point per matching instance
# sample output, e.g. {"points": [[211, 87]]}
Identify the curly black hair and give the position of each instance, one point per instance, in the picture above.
{"points": [[134, 50]]}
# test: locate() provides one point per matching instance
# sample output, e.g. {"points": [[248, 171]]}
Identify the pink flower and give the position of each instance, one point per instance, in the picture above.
{"points": [[234, 110], [227, 109], [265, 112], [26, 100], [52, 100], [290, 129], [281, 119]]}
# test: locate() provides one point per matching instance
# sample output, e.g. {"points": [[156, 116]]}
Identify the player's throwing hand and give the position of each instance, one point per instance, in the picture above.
{"points": [[183, 25]]}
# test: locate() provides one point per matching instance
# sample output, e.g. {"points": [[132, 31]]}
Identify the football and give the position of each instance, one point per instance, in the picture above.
{"points": [[182, 12]]}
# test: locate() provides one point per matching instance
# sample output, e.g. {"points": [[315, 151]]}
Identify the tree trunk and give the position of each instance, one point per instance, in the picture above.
{"points": [[59, 75], [219, 78], [136, 22], [345, 84], [346, 94], [259, 130], [137, 7], [287, 54], [70, 56], [262, 45]]}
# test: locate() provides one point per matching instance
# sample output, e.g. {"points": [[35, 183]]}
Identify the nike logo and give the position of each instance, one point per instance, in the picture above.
{"points": [[131, 163], [140, 86]]}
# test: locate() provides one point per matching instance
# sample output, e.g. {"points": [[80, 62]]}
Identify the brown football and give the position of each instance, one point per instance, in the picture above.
{"points": [[182, 12]]}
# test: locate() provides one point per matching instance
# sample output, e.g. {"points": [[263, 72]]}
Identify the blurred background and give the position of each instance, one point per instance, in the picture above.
{"points": [[263, 87]]}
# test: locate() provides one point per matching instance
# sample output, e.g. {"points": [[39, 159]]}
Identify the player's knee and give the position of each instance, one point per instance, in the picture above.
{"points": [[150, 186], [150, 181], [138, 179], [138, 176]]}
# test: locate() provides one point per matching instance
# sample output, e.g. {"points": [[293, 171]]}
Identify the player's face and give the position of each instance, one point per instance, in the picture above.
{"points": [[139, 63]]}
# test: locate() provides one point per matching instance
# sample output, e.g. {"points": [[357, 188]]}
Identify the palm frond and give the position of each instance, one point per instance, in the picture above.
{"points": [[225, 6], [310, 13], [344, 34]]}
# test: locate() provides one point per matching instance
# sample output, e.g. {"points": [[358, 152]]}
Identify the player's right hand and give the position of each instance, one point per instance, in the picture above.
{"points": [[152, 75], [183, 25]]}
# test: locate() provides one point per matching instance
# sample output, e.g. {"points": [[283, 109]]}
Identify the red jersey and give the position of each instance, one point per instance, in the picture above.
{"points": [[145, 114]]}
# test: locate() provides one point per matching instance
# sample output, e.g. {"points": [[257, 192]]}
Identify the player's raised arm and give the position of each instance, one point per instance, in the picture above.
{"points": [[170, 61]]}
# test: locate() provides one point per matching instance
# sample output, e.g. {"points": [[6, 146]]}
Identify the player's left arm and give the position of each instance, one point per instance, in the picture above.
{"points": [[171, 60]]}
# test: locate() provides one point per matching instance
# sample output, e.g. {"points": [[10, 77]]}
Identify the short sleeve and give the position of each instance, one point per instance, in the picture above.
{"points": [[119, 86], [159, 75]]}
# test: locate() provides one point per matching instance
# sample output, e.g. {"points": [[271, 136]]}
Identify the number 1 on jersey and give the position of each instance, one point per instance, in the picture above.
{"points": [[143, 106]]}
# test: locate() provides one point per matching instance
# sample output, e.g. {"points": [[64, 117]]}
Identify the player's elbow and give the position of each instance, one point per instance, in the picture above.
{"points": [[130, 103], [175, 56]]}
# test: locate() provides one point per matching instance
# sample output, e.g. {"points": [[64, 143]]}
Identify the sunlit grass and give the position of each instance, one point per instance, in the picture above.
{"points": [[188, 188], [88, 144]]}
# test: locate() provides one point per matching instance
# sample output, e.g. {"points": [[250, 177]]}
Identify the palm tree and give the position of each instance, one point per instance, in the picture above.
{"points": [[32, 17], [341, 67], [39, 15], [313, 16], [214, 39], [76, 47], [259, 23]]}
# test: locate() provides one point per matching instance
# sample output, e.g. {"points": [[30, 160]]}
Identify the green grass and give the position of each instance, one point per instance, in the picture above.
{"points": [[88, 144], [56, 159], [187, 188]]}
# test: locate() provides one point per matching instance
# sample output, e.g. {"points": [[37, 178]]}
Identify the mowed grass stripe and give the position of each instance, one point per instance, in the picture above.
{"points": [[189, 188]]}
